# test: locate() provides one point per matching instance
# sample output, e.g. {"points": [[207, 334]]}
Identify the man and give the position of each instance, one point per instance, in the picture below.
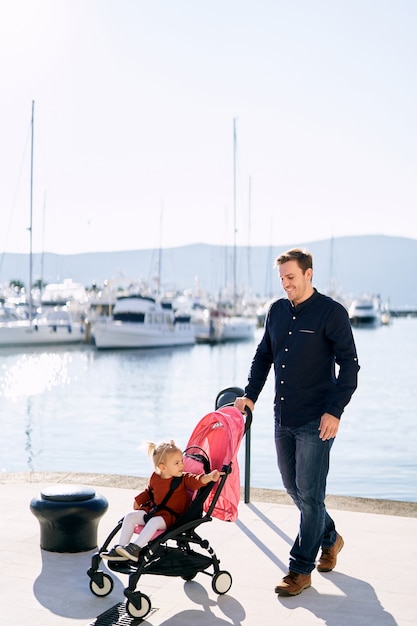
{"points": [[305, 336]]}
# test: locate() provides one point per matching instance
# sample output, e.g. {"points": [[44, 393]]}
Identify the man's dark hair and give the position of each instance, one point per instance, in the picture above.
{"points": [[303, 258]]}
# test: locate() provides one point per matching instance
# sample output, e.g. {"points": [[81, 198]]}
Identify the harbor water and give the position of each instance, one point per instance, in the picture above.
{"points": [[77, 409]]}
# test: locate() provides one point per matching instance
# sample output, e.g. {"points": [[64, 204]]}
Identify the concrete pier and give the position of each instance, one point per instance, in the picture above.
{"points": [[373, 583]]}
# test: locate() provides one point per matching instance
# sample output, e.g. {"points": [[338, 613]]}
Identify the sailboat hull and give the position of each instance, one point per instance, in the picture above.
{"points": [[237, 328], [22, 333], [225, 328], [113, 334]]}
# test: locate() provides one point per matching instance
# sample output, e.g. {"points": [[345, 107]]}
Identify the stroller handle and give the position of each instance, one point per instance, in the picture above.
{"points": [[248, 418], [227, 397]]}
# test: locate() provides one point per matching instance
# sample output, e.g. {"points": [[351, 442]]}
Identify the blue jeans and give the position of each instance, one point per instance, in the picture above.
{"points": [[303, 460]]}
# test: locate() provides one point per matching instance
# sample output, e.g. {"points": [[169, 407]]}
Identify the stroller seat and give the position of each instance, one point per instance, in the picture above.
{"points": [[139, 527]]}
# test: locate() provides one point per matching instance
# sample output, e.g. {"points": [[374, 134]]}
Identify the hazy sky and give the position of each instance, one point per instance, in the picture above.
{"points": [[134, 109]]}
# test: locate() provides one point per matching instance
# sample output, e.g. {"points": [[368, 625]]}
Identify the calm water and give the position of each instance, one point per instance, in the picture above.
{"points": [[76, 409]]}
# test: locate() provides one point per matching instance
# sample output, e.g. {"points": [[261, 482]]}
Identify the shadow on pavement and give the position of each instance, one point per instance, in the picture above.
{"points": [[63, 586]]}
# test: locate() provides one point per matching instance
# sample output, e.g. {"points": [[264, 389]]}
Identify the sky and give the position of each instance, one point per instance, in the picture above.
{"points": [[248, 122]]}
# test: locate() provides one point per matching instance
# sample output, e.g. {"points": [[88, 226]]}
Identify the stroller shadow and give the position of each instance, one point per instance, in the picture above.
{"points": [[60, 588], [229, 606], [233, 611]]}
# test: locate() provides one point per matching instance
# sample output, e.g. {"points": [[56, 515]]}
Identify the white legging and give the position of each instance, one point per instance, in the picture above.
{"points": [[149, 529]]}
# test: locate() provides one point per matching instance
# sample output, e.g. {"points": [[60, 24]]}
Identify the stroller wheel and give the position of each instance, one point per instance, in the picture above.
{"points": [[104, 589], [139, 605], [221, 583]]}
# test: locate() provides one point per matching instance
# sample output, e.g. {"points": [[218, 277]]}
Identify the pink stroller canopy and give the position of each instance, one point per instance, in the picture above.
{"points": [[219, 434]]}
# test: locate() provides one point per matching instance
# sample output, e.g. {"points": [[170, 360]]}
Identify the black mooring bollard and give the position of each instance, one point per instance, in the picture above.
{"points": [[68, 516]]}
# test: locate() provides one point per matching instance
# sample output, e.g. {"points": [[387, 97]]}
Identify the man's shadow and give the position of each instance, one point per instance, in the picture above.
{"points": [[359, 599], [335, 610]]}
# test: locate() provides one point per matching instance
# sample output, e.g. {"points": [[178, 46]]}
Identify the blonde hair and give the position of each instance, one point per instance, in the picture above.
{"points": [[159, 452]]}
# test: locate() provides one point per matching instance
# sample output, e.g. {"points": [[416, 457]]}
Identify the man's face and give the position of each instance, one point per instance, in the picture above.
{"points": [[296, 285]]}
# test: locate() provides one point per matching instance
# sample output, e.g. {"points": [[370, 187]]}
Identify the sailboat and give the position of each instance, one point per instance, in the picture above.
{"points": [[144, 321], [227, 323], [54, 325]]}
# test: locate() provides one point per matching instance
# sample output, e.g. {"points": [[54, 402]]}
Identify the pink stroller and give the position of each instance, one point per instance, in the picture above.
{"points": [[180, 551]]}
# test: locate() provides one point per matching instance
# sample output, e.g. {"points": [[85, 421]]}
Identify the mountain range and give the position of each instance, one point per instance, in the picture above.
{"points": [[350, 266]]}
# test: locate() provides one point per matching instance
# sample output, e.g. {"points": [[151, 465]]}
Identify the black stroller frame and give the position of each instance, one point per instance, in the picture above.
{"points": [[162, 558]]}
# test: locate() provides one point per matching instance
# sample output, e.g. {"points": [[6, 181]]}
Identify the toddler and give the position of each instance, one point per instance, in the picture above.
{"points": [[161, 503]]}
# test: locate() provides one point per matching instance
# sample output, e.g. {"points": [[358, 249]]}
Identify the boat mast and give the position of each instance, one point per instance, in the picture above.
{"points": [[249, 234], [31, 216], [160, 251], [234, 211], [43, 245]]}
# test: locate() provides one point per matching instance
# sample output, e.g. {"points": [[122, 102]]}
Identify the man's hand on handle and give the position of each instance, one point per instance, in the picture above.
{"points": [[243, 402]]}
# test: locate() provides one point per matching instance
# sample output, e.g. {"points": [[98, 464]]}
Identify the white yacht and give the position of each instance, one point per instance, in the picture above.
{"points": [[143, 322], [365, 311]]}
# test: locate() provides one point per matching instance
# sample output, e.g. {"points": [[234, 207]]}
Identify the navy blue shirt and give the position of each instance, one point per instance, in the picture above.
{"points": [[312, 348]]}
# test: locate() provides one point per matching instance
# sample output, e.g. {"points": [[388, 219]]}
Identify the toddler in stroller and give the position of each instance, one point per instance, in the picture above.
{"points": [[178, 550], [165, 499]]}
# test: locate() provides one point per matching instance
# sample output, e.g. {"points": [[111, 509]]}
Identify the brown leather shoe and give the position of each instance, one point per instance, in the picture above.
{"points": [[328, 557], [292, 584]]}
